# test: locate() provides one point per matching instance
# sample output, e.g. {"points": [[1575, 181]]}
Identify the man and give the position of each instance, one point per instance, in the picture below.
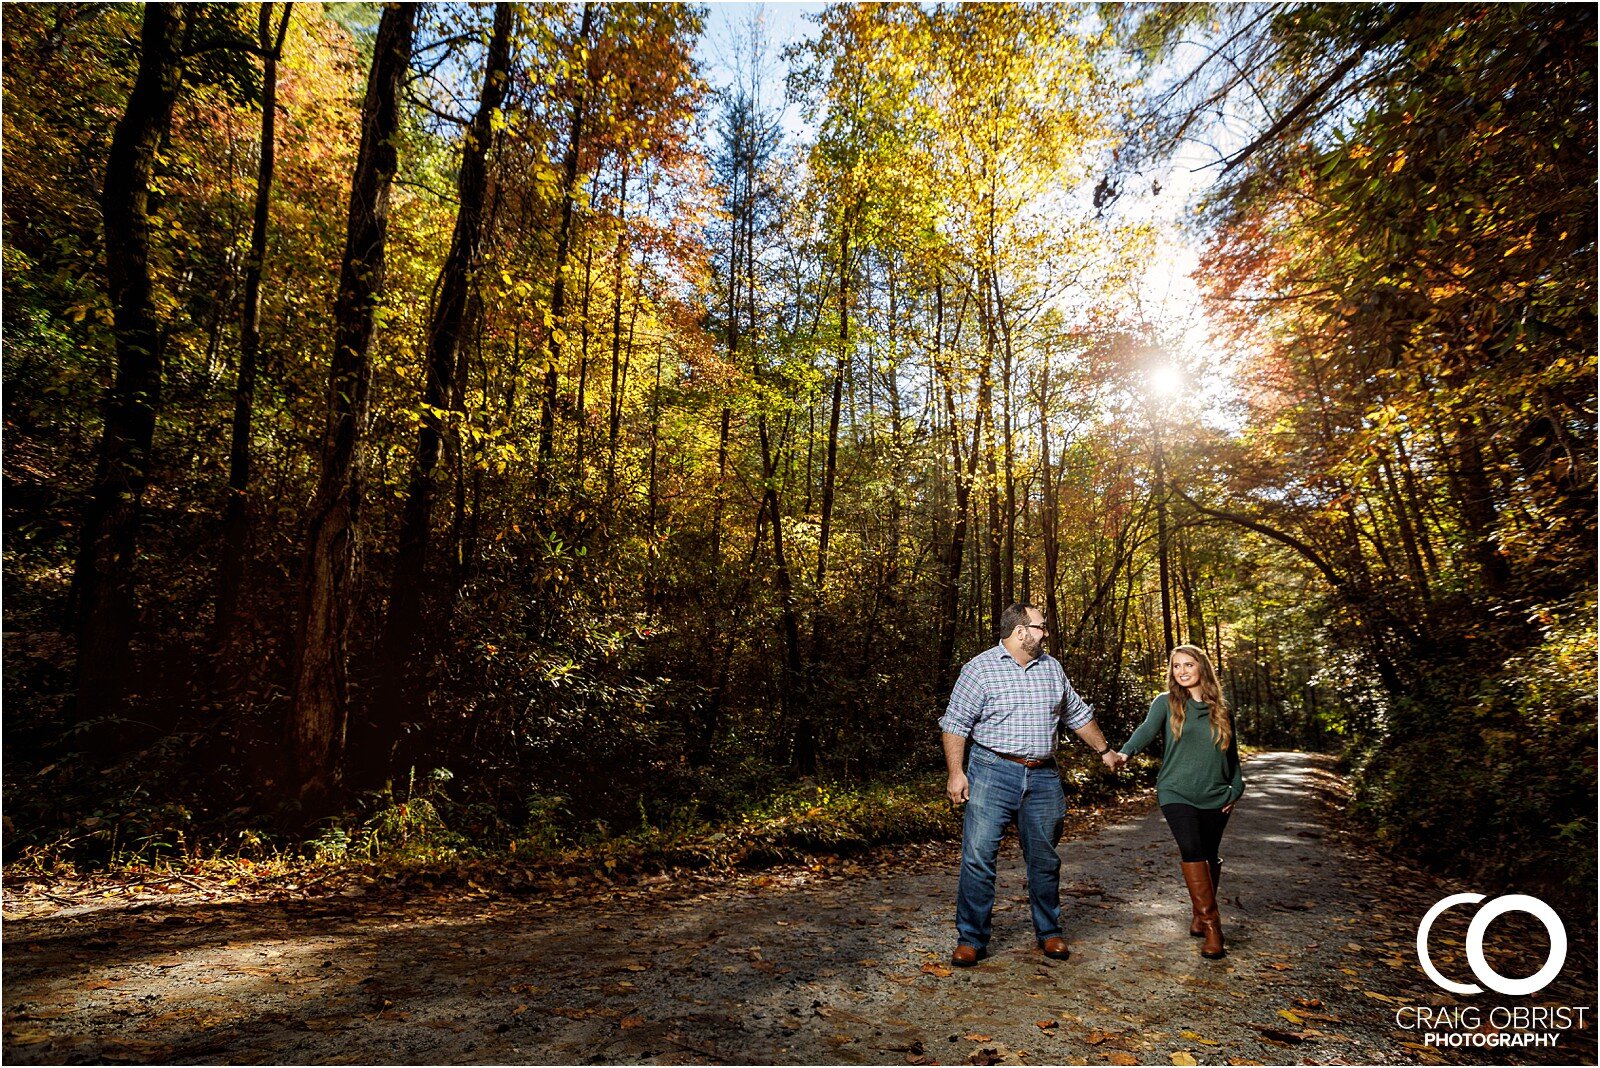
{"points": [[1010, 700]]}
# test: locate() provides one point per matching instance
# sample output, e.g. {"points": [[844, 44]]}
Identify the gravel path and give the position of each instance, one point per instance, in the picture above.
{"points": [[831, 964]]}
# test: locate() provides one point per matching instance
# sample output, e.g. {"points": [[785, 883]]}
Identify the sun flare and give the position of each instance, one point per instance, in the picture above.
{"points": [[1164, 381]]}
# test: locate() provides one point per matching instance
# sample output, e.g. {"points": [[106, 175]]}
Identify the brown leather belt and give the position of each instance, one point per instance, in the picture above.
{"points": [[1024, 761]]}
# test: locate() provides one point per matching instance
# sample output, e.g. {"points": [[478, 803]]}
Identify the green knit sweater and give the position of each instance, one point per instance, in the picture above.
{"points": [[1193, 771]]}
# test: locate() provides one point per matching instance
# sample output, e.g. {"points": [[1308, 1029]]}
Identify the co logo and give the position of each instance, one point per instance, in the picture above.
{"points": [[1475, 958]]}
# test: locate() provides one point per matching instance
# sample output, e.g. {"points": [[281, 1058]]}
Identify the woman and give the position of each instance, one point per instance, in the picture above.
{"points": [[1199, 781]]}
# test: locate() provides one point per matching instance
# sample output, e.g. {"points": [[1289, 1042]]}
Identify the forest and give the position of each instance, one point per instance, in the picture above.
{"points": [[497, 428]]}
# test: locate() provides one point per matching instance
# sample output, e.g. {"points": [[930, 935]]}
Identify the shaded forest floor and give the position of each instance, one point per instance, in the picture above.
{"points": [[836, 961]]}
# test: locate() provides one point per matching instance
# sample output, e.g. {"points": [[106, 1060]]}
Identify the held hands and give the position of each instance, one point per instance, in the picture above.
{"points": [[956, 789], [1113, 759]]}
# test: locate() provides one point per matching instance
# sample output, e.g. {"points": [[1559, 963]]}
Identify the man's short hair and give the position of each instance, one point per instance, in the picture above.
{"points": [[1014, 617]]}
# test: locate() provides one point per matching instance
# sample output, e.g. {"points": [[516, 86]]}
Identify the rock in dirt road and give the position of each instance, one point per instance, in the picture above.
{"points": [[796, 966]]}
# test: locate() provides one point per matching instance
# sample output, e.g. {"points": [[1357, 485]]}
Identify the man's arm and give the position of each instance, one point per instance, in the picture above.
{"points": [[955, 726], [955, 747]]}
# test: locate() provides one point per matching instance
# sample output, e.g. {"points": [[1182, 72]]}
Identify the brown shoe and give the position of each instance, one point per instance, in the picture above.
{"points": [[1055, 946], [966, 956]]}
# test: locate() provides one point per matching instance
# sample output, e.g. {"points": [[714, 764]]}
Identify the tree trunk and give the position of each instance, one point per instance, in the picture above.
{"points": [[104, 600], [1389, 485], [580, 408], [1162, 564], [614, 426], [1419, 511], [804, 754], [997, 602], [652, 546], [558, 291], [841, 365], [950, 586], [1477, 507], [725, 425], [330, 569], [404, 654], [1047, 519], [1008, 572], [236, 518]]}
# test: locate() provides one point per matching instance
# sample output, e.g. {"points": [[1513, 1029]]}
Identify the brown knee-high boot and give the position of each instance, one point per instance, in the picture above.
{"points": [[1195, 930], [1203, 898]]}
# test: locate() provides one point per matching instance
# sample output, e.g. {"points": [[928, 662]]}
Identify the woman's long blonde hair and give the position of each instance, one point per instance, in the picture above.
{"points": [[1210, 694]]}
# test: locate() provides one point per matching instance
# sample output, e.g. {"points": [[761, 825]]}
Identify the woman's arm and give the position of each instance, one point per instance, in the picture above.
{"points": [[1236, 786], [1149, 728]]}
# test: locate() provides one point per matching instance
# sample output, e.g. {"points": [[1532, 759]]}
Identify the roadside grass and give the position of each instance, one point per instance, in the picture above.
{"points": [[427, 837]]}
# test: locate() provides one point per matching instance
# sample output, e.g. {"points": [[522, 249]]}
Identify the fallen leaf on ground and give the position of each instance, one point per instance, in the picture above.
{"points": [[1194, 1037], [1291, 1017], [28, 1038], [1274, 1034], [327, 1023], [936, 969], [914, 1048], [1119, 1057], [975, 1037], [134, 1047], [1046, 1025], [1185, 1058]]}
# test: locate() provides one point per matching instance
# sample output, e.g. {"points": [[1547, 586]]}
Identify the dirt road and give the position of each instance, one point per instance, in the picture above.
{"points": [[820, 965]]}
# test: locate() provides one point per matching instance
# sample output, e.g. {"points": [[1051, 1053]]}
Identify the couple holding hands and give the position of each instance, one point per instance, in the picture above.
{"points": [[1009, 700]]}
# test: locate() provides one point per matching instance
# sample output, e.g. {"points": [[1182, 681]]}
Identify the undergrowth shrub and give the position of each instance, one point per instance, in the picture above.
{"points": [[1493, 775]]}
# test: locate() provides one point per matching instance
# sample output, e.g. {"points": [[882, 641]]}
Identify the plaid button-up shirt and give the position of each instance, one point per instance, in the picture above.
{"points": [[1013, 709]]}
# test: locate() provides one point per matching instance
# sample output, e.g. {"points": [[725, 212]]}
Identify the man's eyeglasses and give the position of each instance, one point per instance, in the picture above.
{"points": [[1038, 627]]}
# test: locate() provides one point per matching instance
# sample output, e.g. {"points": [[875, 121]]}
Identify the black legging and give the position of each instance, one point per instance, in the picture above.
{"points": [[1197, 830]]}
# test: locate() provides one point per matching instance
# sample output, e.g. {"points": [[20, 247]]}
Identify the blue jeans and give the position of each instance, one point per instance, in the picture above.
{"points": [[1000, 791]]}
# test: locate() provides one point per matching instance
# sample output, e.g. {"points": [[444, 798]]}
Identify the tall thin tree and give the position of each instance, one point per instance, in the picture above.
{"points": [[558, 289], [403, 652], [104, 599], [317, 718], [236, 517]]}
